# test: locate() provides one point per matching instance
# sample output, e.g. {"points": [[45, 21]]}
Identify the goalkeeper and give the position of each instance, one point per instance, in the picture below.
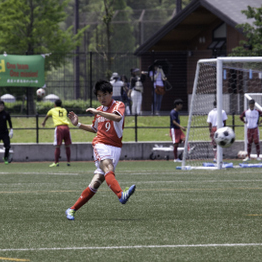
{"points": [[4, 118]]}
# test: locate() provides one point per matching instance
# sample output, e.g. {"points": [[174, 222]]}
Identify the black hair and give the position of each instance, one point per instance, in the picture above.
{"points": [[131, 71], [215, 103], [104, 86], [124, 77], [58, 102], [178, 101], [252, 101], [2, 102]]}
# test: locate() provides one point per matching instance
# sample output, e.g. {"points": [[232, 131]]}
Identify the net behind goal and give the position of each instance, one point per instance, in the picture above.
{"points": [[224, 80]]}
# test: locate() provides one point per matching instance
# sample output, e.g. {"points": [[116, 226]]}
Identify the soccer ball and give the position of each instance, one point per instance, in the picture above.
{"points": [[40, 92], [224, 136]]}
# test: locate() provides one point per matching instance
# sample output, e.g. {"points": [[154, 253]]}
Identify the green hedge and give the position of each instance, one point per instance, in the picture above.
{"points": [[78, 106]]}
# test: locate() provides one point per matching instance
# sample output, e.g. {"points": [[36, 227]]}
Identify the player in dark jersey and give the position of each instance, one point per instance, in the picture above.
{"points": [[4, 135], [176, 130]]}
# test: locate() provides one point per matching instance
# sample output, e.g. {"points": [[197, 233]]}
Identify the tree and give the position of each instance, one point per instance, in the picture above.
{"points": [[109, 38], [33, 27], [253, 45]]}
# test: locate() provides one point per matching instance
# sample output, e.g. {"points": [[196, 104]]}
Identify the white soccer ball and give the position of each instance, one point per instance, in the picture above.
{"points": [[224, 136], [40, 92]]}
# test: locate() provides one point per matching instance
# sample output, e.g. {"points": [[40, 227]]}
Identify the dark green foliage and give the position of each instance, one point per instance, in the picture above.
{"points": [[78, 106], [253, 32]]}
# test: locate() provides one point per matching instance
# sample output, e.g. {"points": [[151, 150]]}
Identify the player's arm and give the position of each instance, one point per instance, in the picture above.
{"points": [[74, 120], [210, 128], [46, 117], [181, 127], [11, 132], [111, 116], [260, 115], [242, 118]]}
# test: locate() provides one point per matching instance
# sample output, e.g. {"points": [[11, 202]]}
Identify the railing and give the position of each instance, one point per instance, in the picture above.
{"points": [[136, 126]]}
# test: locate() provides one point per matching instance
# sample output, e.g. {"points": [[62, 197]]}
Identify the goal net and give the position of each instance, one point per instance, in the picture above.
{"points": [[224, 80]]}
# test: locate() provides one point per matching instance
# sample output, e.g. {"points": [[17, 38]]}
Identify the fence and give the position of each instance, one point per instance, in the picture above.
{"points": [[135, 128], [76, 77]]}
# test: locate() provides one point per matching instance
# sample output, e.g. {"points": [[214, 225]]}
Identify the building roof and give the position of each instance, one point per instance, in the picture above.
{"points": [[201, 13]]}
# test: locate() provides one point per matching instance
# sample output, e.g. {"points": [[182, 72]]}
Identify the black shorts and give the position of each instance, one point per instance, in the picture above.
{"points": [[6, 139]]}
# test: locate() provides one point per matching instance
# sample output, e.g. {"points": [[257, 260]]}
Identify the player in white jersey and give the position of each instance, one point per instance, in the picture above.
{"points": [[108, 124], [251, 118], [212, 122]]}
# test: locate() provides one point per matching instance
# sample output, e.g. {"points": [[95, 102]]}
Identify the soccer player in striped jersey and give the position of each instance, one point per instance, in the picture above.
{"points": [[251, 118], [108, 124]]}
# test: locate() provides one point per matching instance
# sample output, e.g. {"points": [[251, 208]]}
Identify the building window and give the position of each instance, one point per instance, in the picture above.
{"points": [[218, 44]]}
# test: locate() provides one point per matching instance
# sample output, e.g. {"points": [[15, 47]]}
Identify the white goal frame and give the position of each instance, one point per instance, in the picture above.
{"points": [[220, 61]]}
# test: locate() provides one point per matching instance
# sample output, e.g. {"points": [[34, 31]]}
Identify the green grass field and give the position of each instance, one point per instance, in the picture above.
{"points": [[174, 215]]}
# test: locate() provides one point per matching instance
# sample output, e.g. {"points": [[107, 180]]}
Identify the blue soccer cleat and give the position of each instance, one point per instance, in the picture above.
{"points": [[128, 192], [70, 214]]}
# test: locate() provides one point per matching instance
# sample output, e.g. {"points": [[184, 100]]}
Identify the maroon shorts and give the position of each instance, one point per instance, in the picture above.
{"points": [[62, 133], [213, 130], [253, 135], [177, 135]]}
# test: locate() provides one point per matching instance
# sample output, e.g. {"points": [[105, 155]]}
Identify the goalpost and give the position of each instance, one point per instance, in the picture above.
{"points": [[225, 80]]}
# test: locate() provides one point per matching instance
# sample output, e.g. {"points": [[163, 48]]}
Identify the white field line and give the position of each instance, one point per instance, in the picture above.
{"points": [[131, 247], [39, 173], [195, 182]]}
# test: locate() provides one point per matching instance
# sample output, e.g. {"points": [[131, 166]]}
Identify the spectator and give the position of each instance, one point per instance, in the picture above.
{"points": [[252, 121], [4, 135], [158, 76], [212, 123], [117, 86], [136, 81], [126, 94], [62, 131]]}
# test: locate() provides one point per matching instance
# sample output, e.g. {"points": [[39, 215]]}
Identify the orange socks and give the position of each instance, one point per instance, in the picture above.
{"points": [[87, 194], [113, 183]]}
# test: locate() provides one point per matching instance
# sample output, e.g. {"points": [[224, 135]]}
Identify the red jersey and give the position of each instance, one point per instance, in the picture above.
{"points": [[109, 132]]}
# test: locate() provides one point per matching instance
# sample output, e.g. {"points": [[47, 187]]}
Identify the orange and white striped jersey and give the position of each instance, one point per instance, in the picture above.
{"points": [[109, 132]]}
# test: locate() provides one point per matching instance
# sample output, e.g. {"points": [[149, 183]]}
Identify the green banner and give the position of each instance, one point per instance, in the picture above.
{"points": [[24, 71]]}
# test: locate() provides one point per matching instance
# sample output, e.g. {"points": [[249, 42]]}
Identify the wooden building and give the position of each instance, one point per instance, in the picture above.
{"points": [[204, 29]]}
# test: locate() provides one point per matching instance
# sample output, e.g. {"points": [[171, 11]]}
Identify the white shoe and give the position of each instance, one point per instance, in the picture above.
{"points": [[214, 160], [246, 159], [258, 159], [177, 160]]}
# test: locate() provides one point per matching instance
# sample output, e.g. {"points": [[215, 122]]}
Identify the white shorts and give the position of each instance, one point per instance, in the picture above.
{"points": [[102, 152]]}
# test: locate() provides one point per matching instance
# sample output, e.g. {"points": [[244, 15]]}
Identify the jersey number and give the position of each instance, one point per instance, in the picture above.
{"points": [[107, 125]]}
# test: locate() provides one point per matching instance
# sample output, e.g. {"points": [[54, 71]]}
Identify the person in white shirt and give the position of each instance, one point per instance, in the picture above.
{"points": [[250, 117], [212, 122], [136, 85], [158, 77], [117, 84]]}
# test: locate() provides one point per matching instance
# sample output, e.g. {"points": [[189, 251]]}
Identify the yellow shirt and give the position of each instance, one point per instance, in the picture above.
{"points": [[59, 116]]}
